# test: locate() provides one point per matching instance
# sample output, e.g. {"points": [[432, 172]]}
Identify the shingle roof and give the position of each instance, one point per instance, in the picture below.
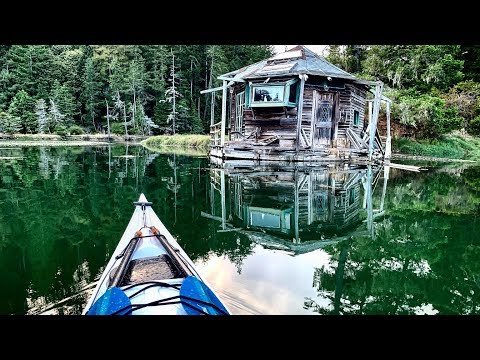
{"points": [[298, 60]]}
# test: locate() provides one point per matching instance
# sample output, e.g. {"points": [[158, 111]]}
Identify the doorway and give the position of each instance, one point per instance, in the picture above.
{"points": [[322, 119]]}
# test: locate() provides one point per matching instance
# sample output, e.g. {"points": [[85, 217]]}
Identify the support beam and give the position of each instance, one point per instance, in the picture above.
{"points": [[212, 110], [386, 172], [224, 112], [222, 77], [296, 239], [369, 202], [211, 90], [373, 124], [302, 77], [206, 91], [370, 112], [388, 143], [222, 199]]}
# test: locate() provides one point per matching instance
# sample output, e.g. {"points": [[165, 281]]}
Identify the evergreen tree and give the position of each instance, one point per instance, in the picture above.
{"points": [[172, 95], [22, 107], [91, 93], [65, 102], [9, 124], [55, 117], [42, 118]]}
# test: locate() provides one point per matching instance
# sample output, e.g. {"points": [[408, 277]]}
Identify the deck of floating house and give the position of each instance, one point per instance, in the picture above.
{"points": [[296, 106]]}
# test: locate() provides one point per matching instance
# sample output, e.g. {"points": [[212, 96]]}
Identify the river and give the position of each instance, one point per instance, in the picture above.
{"points": [[287, 240]]}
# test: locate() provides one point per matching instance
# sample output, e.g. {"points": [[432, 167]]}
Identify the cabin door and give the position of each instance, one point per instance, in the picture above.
{"points": [[322, 118]]}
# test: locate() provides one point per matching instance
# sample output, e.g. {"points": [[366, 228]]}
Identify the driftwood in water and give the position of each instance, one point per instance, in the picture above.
{"points": [[406, 167]]}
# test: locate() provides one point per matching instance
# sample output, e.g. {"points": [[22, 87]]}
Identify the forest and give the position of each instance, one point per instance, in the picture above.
{"points": [[129, 89], [435, 88], [155, 89]]}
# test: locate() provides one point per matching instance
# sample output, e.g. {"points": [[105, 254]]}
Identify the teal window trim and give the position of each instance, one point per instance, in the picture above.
{"points": [[356, 117], [250, 88], [351, 197]]}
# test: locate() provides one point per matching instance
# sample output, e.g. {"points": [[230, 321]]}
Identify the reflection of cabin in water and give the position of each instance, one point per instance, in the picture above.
{"points": [[296, 106], [298, 210]]}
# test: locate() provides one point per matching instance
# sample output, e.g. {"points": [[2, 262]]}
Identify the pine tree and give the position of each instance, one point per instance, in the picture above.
{"points": [[9, 124], [22, 107], [41, 112], [32, 67], [56, 118], [119, 111], [91, 93], [172, 95], [65, 102], [136, 82]]}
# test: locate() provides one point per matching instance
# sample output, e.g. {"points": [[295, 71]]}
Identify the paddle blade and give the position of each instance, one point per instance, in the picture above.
{"points": [[196, 289], [110, 302]]}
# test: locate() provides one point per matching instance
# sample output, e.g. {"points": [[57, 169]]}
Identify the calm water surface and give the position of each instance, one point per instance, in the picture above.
{"points": [[328, 240]]}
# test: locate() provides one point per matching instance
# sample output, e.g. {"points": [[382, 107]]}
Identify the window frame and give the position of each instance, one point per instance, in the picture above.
{"points": [[250, 89], [356, 117]]}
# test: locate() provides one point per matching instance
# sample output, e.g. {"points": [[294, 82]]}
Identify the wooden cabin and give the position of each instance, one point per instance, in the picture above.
{"points": [[296, 106], [297, 209]]}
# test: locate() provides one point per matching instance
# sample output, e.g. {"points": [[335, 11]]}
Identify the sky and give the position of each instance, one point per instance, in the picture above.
{"points": [[315, 48]]}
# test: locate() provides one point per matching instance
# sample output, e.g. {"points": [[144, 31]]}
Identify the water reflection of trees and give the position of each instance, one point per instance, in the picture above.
{"points": [[422, 258], [63, 210]]}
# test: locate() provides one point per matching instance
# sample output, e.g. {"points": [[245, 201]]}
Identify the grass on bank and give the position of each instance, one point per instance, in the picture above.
{"points": [[200, 142], [452, 147]]}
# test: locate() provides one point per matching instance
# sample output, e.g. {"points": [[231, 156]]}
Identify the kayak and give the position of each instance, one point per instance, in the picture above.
{"points": [[150, 274]]}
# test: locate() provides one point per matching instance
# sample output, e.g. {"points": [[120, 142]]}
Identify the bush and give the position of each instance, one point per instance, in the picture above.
{"points": [[474, 126], [117, 128], [61, 130], [429, 114], [76, 130]]}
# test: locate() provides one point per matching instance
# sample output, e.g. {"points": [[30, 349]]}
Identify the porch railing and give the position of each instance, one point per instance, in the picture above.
{"points": [[215, 134]]}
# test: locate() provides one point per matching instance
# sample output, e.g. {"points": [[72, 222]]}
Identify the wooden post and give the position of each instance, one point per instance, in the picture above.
{"points": [[369, 201], [224, 112], [296, 240], [222, 199], [212, 109], [386, 172], [373, 123], [370, 112], [388, 144], [300, 110], [230, 112]]}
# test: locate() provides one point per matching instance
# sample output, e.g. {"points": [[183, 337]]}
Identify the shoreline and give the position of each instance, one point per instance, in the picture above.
{"points": [[22, 140], [153, 143]]}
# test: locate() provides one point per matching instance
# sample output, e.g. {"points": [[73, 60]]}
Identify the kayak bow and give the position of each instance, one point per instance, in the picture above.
{"points": [[150, 274]]}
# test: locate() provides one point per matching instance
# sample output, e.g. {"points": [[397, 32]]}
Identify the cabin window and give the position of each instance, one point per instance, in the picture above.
{"points": [[292, 97], [356, 118], [264, 220], [274, 94], [351, 197], [271, 94]]}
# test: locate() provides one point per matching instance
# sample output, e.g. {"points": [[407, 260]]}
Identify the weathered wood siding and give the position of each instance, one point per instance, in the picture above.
{"points": [[350, 99], [283, 121]]}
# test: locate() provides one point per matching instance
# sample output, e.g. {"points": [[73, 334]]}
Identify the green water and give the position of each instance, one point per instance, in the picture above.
{"points": [[269, 241]]}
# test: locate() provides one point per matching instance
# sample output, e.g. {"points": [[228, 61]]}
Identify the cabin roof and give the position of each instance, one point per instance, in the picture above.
{"points": [[298, 60]]}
